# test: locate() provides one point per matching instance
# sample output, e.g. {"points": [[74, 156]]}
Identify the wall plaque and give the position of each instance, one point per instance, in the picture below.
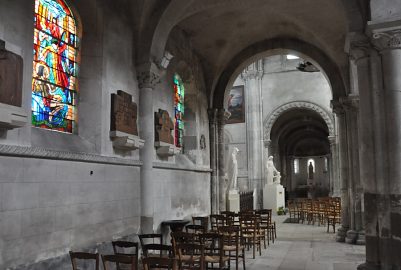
{"points": [[123, 113]]}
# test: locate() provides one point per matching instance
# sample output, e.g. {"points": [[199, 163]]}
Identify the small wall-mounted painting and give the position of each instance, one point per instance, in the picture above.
{"points": [[236, 105]]}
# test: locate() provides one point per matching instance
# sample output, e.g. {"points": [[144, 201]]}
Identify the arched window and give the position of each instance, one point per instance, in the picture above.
{"points": [[178, 110], [55, 67], [296, 165]]}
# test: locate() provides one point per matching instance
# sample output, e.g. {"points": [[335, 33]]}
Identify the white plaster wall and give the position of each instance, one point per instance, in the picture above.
{"points": [[282, 83], [48, 207], [180, 194]]}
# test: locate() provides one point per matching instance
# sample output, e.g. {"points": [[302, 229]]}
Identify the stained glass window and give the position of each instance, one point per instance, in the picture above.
{"points": [[178, 110], [55, 67]]}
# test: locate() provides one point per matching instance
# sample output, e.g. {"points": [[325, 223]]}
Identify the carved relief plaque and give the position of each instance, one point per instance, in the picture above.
{"points": [[10, 77], [163, 126], [123, 113]]}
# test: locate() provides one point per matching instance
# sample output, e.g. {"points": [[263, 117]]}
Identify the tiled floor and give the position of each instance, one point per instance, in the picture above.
{"points": [[305, 247]]}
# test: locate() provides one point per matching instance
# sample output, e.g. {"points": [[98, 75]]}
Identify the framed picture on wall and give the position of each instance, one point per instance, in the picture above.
{"points": [[236, 105]]}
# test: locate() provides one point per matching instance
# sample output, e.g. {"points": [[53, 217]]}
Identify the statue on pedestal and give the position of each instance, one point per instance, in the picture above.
{"points": [[272, 175], [232, 171]]}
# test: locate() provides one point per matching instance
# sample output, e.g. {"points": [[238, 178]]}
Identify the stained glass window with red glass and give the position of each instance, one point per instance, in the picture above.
{"points": [[178, 110], [55, 67]]}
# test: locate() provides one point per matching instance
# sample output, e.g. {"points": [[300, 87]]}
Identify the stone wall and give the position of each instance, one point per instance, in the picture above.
{"points": [[75, 191]]}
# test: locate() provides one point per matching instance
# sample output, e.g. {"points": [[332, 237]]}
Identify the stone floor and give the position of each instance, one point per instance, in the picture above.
{"points": [[305, 247]]}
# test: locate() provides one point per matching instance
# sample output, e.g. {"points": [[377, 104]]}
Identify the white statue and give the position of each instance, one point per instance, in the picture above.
{"points": [[233, 171], [271, 172]]}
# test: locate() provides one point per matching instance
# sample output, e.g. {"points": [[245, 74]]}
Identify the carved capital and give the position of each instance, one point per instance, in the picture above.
{"points": [[337, 107], [254, 71], [332, 140], [222, 116], [148, 76], [358, 46], [350, 103], [386, 35]]}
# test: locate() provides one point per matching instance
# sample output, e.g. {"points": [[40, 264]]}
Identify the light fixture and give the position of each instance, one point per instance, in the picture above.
{"points": [[165, 61], [292, 57], [307, 67]]}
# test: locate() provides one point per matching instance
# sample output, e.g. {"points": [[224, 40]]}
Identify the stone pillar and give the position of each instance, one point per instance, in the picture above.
{"points": [[214, 186], [383, 196], [343, 165], [222, 117], [252, 76], [351, 106], [148, 77], [333, 167]]}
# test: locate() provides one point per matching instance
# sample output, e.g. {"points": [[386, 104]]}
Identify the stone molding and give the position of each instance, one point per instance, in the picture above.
{"points": [[38, 152], [350, 103], [358, 46], [169, 166], [253, 71], [271, 119]]}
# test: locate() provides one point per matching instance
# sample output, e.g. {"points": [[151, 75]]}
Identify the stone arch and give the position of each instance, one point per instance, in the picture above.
{"points": [[333, 73], [272, 118]]}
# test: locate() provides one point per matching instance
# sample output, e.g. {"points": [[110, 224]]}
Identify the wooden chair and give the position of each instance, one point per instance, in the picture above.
{"points": [[251, 233], [233, 244], [157, 250], [119, 260], [85, 256], [203, 221], [159, 263], [190, 256], [125, 248], [150, 238], [214, 251], [195, 228], [331, 216], [217, 221], [293, 210]]}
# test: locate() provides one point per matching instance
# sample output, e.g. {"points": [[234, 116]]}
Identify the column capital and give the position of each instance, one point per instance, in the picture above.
{"points": [[386, 35], [337, 107], [350, 103], [148, 75], [253, 71], [222, 116], [358, 46]]}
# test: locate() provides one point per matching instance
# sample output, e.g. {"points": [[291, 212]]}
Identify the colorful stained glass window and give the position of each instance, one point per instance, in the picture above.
{"points": [[178, 110], [55, 67]]}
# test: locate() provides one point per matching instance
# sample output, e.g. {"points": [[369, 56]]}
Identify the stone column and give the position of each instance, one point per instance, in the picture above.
{"points": [[333, 167], [222, 117], [383, 197], [214, 186], [148, 77], [351, 106], [252, 76], [343, 165]]}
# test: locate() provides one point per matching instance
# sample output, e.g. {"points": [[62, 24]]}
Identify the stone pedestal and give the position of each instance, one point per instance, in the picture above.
{"points": [[233, 201], [273, 197], [12, 116]]}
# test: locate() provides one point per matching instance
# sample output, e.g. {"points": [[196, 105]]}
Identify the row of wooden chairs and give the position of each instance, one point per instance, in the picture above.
{"points": [[325, 210]]}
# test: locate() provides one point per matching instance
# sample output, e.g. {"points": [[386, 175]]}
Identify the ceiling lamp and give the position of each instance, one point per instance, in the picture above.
{"points": [[307, 67]]}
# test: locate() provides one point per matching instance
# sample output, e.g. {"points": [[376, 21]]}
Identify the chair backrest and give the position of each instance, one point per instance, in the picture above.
{"points": [[190, 256], [157, 250], [118, 260], [231, 235], [151, 238], [195, 228], [125, 247], [85, 256], [159, 263], [217, 221], [203, 221]]}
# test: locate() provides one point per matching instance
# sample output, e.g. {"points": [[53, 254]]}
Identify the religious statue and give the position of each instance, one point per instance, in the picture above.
{"points": [[271, 172], [233, 171], [310, 170]]}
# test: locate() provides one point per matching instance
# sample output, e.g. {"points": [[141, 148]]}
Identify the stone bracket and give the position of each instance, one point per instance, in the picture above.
{"points": [[165, 149], [125, 141], [12, 116]]}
